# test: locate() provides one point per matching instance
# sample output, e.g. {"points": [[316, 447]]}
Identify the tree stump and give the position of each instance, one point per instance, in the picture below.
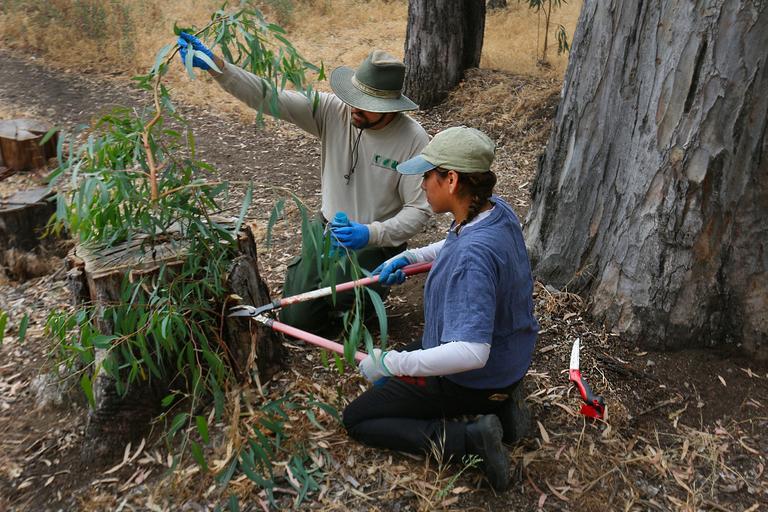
{"points": [[20, 148], [23, 217], [95, 277]]}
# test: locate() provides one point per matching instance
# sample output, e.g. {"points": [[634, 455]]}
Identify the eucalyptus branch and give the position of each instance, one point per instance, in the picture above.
{"points": [[153, 171]]}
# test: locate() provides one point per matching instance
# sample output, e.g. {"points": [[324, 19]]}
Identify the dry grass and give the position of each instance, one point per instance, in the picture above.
{"points": [[121, 38], [514, 38]]}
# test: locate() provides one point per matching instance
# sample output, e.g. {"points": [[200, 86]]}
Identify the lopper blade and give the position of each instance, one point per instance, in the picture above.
{"points": [[243, 311]]}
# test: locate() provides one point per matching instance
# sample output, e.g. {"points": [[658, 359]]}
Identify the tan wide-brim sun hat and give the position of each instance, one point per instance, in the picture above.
{"points": [[376, 85]]}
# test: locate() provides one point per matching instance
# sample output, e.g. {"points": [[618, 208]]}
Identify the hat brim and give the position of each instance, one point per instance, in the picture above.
{"points": [[416, 165], [341, 83]]}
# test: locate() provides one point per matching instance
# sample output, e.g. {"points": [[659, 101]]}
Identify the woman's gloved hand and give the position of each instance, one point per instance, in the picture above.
{"points": [[203, 59], [353, 236], [389, 272], [373, 369]]}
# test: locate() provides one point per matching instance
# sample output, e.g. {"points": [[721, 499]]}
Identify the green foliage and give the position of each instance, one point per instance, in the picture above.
{"points": [[133, 176], [3, 323], [467, 462], [319, 256], [562, 40], [23, 327]]}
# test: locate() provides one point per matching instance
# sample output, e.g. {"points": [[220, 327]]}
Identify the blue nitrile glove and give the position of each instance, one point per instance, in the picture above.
{"points": [[373, 369], [186, 41], [353, 236], [389, 271]]}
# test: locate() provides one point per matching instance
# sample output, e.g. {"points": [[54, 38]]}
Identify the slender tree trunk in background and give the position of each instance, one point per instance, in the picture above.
{"points": [[653, 193], [547, 17], [444, 37]]}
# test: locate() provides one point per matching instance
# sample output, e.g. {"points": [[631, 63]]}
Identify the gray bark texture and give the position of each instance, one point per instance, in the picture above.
{"points": [[443, 38], [653, 192]]}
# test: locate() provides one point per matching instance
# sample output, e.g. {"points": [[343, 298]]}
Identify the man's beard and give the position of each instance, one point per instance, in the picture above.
{"points": [[363, 124]]}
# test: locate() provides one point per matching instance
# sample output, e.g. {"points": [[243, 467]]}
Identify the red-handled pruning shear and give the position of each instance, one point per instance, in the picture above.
{"points": [[593, 405]]}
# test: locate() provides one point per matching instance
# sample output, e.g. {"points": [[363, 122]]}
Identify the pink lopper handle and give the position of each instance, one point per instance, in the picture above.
{"points": [[409, 270], [314, 339]]}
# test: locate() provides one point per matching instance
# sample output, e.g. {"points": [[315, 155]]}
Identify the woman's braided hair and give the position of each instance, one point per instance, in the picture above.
{"points": [[478, 185]]}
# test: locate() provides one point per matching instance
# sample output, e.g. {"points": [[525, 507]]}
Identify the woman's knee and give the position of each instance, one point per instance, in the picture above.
{"points": [[350, 417]]}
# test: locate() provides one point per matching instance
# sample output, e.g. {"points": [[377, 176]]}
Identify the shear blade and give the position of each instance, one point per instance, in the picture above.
{"points": [[242, 311], [575, 355]]}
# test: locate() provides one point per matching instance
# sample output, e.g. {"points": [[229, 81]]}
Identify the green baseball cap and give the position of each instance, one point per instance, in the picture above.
{"points": [[461, 149]]}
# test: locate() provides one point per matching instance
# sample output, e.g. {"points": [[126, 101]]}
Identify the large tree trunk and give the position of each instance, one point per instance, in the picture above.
{"points": [[653, 193], [443, 38]]}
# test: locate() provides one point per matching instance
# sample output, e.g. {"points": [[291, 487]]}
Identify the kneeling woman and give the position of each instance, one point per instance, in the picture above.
{"points": [[479, 327]]}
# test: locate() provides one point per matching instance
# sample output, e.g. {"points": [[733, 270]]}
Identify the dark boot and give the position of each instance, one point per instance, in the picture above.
{"points": [[483, 438], [515, 415]]}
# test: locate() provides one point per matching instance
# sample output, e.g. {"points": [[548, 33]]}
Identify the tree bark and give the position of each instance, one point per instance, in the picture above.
{"points": [[652, 196], [20, 148], [443, 38], [95, 277]]}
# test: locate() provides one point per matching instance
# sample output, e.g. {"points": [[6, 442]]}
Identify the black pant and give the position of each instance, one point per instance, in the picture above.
{"points": [[413, 413]]}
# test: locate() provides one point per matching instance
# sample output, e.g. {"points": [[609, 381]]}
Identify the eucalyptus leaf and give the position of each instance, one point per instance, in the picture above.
{"points": [[381, 313], [197, 454], [205, 58], [202, 427], [23, 328], [188, 62], [3, 323], [244, 207], [85, 384], [160, 57]]}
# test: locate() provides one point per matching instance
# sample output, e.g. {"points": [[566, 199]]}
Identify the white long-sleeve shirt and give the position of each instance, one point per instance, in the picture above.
{"points": [[392, 205]]}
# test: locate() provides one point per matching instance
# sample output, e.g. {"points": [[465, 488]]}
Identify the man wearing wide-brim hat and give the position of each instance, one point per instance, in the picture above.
{"points": [[364, 135]]}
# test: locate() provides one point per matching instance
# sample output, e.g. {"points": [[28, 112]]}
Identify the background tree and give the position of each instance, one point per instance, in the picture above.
{"points": [[652, 196], [444, 37], [546, 7]]}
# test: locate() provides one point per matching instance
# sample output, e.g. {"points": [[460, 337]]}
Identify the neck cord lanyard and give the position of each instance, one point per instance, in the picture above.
{"points": [[355, 147]]}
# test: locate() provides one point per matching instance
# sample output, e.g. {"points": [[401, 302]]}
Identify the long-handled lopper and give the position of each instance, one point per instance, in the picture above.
{"points": [[258, 314], [408, 270], [303, 335], [594, 405]]}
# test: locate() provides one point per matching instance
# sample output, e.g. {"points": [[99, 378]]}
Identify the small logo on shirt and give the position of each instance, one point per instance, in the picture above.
{"points": [[386, 163]]}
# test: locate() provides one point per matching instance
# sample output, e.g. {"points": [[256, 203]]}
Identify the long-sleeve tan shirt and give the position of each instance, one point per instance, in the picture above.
{"points": [[392, 205]]}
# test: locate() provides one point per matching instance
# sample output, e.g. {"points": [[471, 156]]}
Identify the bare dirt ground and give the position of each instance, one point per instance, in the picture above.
{"points": [[685, 430]]}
